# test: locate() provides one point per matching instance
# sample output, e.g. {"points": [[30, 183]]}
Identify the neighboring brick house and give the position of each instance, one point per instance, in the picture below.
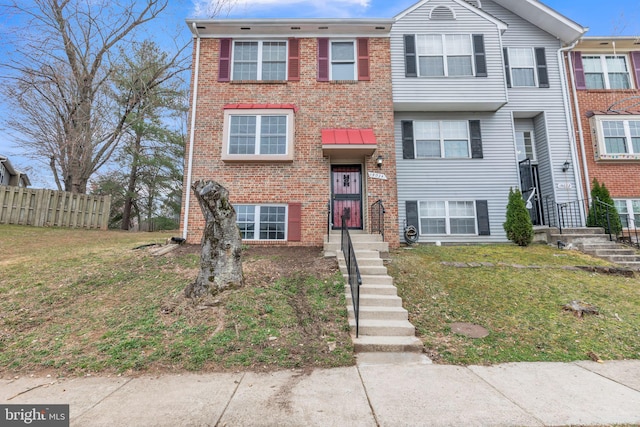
{"points": [[605, 84], [290, 115], [481, 106]]}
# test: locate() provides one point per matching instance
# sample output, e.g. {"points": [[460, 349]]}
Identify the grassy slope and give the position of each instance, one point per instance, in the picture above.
{"points": [[78, 301], [521, 307]]}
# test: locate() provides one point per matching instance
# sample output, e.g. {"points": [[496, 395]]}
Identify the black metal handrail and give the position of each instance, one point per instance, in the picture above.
{"points": [[601, 220], [329, 222], [629, 235], [377, 218], [353, 272], [564, 215]]}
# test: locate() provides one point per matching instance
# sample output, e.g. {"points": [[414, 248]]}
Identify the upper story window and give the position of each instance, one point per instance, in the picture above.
{"points": [[258, 135], [259, 60], [252, 61], [448, 139], [526, 67], [445, 55], [424, 139], [606, 72], [343, 59], [616, 138]]}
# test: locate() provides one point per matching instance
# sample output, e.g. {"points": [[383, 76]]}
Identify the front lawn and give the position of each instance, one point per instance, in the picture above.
{"points": [[517, 294]]}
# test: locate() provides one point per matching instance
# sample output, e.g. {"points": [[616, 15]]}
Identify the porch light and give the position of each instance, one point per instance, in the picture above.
{"points": [[565, 166], [379, 161]]}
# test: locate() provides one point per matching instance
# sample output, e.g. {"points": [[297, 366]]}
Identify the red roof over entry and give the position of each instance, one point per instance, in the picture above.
{"points": [[348, 142]]}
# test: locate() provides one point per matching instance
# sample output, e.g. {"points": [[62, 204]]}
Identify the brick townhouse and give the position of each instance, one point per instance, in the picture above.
{"points": [[295, 118], [604, 79]]}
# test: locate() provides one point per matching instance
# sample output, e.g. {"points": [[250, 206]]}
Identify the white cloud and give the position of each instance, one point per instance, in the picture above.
{"points": [[281, 8]]}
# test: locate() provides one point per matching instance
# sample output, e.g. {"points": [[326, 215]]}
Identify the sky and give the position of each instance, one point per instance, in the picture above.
{"points": [[603, 18]]}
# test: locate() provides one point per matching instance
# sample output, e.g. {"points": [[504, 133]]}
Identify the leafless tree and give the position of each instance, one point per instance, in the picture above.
{"points": [[59, 79]]}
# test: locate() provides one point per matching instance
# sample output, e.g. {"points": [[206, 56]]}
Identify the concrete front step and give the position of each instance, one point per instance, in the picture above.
{"points": [[367, 270], [363, 262], [355, 237], [357, 246], [372, 327], [620, 259], [365, 344], [377, 300], [380, 313], [578, 238], [375, 290], [630, 265], [611, 252], [598, 246], [369, 279]]}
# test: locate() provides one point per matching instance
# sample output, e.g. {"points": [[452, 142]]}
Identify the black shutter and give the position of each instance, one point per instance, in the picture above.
{"points": [[407, 140], [541, 64], [479, 55], [476, 139], [412, 214], [482, 212], [410, 60], [507, 71]]}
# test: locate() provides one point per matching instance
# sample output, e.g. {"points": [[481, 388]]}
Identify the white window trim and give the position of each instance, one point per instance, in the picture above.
{"points": [[534, 67], [631, 214], [442, 140], [260, 44], [444, 56], [256, 224], [355, 58], [287, 157], [448, 217], [601, 152], [533, 145], [605, 70]]}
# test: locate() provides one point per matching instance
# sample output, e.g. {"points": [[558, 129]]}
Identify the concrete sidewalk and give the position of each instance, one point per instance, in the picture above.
{"points": [[369, 394]]}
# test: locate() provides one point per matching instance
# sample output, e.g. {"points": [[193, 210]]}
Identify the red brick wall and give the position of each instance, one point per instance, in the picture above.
{"points": [[620, 177], [306, 180]]}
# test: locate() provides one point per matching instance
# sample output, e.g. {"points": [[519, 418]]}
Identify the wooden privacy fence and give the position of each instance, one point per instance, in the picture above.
{"points": [[50, 208]]}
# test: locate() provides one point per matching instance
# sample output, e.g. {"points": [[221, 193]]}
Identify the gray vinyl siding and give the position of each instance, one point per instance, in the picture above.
{"points": [[446, 93], [548, 102], [4, 174], [488, 178], [491, 177]]}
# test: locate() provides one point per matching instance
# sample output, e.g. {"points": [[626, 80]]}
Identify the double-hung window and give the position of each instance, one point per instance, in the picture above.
{"points": [[629, 211], [343, 60], [262, 222], [523, 66], [441, 139], [444, 55], [447, 217], [259, 60], [525, 147], [258, 135], [606, 72], [620, 136]]}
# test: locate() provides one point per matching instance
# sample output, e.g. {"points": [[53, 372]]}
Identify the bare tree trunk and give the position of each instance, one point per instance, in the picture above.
{"points": [[131, 185], [220, 262]]}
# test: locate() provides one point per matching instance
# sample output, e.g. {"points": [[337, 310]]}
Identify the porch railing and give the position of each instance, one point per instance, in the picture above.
{"points": [[355, 280], [626, 231], [329, 221], [564, 215], [377, 218]]}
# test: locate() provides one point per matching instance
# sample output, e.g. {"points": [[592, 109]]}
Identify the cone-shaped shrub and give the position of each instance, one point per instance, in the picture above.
{"points": [[598, 212], [518, 224]]}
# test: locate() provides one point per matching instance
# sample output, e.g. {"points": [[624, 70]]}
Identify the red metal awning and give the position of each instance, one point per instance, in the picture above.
{"points": [[348, 142]]}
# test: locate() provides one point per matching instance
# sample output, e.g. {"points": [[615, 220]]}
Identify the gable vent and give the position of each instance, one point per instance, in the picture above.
{"points": [[475, 3], [442, 13]]}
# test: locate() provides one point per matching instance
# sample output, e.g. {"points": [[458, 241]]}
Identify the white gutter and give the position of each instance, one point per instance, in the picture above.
{"points": [[587, 179], [570, 127], [192, 131]]}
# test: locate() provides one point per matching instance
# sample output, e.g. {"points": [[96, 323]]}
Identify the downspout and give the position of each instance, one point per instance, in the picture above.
{"points": [[194, 104], [570, 127], [587, 179]]}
